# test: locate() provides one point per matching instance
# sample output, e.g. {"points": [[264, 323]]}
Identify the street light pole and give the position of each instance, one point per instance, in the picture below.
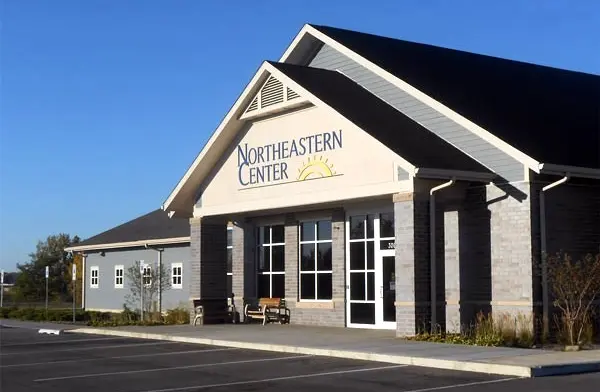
{"points": [[2, 289], [74, 279], [47, 275]]}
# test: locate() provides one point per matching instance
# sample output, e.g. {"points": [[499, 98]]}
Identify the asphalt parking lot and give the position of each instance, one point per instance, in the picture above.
{"points": [[33, 362]]}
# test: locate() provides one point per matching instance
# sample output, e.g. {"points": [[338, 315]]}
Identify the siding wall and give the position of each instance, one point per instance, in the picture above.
{"points": [[488, 155], [106, 296]]}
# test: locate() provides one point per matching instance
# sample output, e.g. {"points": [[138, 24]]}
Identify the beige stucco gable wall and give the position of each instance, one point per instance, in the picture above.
{"points": [[321, 157]]}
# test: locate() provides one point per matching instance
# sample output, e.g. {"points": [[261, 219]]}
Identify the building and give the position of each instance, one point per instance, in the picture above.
{"points": [[380, 183], [153, 239]]}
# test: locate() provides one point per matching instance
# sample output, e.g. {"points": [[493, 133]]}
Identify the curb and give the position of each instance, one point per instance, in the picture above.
{"points": [[467, 366], [478, 367]]}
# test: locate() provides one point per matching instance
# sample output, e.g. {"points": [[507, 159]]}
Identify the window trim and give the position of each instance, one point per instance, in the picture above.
{"points": [[229, 248], [269, 245], [147, 267], [315, 272], [122, 269], [179, 285], [97, 270]]}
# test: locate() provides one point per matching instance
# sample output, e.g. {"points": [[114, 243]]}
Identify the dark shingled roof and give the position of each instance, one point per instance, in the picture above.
{"points": [[399, 133], [550, 114], [154, 225]]}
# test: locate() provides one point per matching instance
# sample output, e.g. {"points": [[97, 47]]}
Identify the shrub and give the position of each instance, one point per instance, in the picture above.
{"points": [[177, 316], [575, 286]]}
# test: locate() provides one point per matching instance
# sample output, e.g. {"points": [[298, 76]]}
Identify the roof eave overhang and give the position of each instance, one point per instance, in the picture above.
{"points": [[458, 175], [128, 244], [573, 171], [518, 155]]}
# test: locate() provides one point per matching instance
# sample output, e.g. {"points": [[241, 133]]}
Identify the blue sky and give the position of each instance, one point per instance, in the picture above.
{"points": [[104, 104]]}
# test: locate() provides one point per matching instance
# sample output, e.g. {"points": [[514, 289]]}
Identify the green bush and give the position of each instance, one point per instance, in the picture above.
{"points": [[177, 316], [96, 319]]}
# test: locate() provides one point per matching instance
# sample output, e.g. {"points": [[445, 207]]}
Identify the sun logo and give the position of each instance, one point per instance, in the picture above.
{"points": [[315, 168]]}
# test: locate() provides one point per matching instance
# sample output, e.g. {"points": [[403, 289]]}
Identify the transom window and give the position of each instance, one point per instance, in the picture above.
{"points": [[315, 260], [229, 261], [118, 276], [94, 277], [147, 275], [271, 261], [176, 275]]}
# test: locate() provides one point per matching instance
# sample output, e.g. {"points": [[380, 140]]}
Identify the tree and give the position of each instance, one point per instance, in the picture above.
{"points": [[77, 259], [30, 285], [575, 286], [155, 280]]}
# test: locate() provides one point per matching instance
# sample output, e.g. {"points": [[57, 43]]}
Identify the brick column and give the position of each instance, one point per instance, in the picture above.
{"points": [[208, 266], [338, 261], [452, 271], [412, 263], [244, 270], [291, 260]]}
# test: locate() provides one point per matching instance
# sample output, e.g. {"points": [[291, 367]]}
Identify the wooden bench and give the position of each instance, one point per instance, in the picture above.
{"points": [[267, 309]]}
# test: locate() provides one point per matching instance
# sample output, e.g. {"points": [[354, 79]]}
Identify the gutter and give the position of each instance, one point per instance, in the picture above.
{"points": [[545, 299], [432, 253]]}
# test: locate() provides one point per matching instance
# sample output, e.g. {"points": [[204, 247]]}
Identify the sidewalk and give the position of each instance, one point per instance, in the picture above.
{"points": [[370, 345]]}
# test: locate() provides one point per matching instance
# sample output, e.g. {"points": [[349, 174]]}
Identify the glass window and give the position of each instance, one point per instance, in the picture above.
{"points": [[271, 261], [94, 277], [147, 275], [118, 276], [177, 275], [315, 260]]}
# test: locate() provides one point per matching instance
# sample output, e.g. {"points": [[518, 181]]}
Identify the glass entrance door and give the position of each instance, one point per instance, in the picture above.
{"points": [[370, 269]]}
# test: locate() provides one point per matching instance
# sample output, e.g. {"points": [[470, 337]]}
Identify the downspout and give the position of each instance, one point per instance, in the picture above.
{"points": [[83, 257], [159, 281], [159, 264], [544, 250], [432, 253]]}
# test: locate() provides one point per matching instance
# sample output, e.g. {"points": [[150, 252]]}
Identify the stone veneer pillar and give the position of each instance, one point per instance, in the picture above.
{"points": [[208, 268], [412, 263], [243, 269]]}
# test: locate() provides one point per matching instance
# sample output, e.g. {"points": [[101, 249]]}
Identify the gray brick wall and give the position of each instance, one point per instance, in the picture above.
{"points": [[412, 263], [452, 271], [511, 247]]}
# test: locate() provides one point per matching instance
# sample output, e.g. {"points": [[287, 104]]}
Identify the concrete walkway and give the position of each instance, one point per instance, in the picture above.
{"points": [[370, 345]]}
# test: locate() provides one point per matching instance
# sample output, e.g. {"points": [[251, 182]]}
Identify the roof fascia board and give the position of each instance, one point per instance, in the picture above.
{"points": [[294, 43], [455, 174], [574, 171], [129, 244], [230, 115], [438, 106]]}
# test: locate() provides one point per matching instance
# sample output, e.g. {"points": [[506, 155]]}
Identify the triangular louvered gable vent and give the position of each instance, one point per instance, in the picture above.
{"points": [[273, 92]]}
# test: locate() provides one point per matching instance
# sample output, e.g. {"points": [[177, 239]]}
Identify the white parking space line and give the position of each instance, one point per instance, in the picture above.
{"points": [[468, 384], [42, 341], [310, 375], [204, 365], [120, 357], [89, 348]]}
